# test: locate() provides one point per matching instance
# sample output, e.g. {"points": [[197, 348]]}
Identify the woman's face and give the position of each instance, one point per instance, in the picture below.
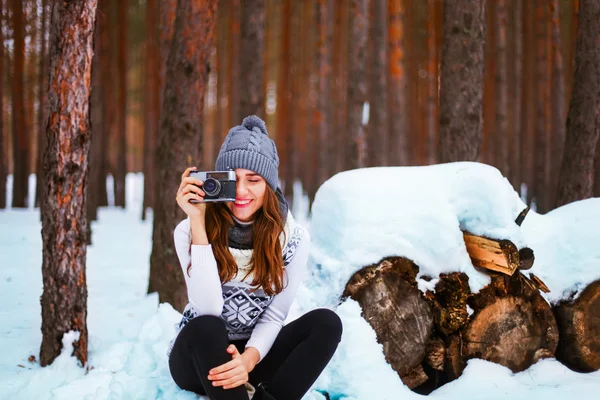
{"points": [[249, 194]]}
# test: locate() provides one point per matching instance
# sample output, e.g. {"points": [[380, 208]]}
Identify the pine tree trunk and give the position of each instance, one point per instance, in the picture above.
{"points": [[528, 100], [500, 134], [121, 162], [96, 128], [356, 144], [181, 141], [398, 88], [583, 125], [461, 88], [518, 65], [3, 155], [342, 71], [295, 116], [20, 138], [107, 77], [378, 129], [558, 112], [233, 69], [433, 51], [30, 123], [64, 299], [43, 89], [486, 151], [284, 95], [221, 124], [167, 22], [324, 112], [152, 105], [252, 57]]}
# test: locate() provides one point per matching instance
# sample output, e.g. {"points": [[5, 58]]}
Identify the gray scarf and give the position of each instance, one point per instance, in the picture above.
{"points": [[240, 235]]}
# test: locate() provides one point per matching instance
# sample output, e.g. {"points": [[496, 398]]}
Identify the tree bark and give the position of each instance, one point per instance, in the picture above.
{"points": [[501, 132], [356, 142], [103, 18], [557, 139], [20, 137], [398, 84], [64, 298], [151, 105], [324, 113], [461, 89], [121, 162], [3, 155], [233, 69], [583, 126], [221, 125], [378, 128], [181, 141], [433, 51], [252, 57], [43, 90], [517, 105]]}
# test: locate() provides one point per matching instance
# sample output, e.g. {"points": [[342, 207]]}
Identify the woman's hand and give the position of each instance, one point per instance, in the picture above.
{"points": [[189, 190], [231, 374]]}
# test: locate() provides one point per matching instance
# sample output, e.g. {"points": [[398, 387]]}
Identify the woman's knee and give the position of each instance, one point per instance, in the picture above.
{"points": [[204, 328], [327, 321]]}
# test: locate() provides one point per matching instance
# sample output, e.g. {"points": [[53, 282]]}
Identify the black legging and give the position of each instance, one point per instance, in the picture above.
{"points": [[300, 353]]}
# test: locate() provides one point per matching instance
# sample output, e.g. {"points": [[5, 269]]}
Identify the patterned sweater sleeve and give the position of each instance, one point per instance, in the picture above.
{"points": [[271, 321], [203, 283]]}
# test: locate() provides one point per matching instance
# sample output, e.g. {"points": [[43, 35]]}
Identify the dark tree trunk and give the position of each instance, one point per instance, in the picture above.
{"points": [[528, 99], [461, 88], [583, 125], [102, 18], [500, 133], [557, 139], [167, 22], [296, 91], [20, 137], [340, 72], [180, 143], [324, 112], [121, 162], [152, 105], [356, 143], [43, 90], [515, 145], [252, 57], [233, 67], [64, 299], [378, 128], [96, 128], [221, 125], [3, 155], [430, 145], [398, 88], [284, 95]]}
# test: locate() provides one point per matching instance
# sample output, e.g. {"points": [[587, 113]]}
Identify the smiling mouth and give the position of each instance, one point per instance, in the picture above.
{"points": [[242, 203]]}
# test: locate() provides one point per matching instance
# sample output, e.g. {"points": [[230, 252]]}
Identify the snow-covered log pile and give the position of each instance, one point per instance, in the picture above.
{"points": [[440, 259]]}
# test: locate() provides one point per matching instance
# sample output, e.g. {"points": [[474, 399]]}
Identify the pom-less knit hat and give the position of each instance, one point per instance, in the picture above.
{"points": [[248, 146]]}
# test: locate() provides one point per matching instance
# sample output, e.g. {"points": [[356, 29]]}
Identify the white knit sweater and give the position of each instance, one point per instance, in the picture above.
{"points": [[247, 315]]}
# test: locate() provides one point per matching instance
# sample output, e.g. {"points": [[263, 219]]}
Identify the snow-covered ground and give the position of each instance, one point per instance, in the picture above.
{"points": [[418, 212]]}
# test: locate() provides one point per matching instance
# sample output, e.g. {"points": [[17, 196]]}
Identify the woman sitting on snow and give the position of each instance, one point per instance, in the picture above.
{"points": [[243, 263]]}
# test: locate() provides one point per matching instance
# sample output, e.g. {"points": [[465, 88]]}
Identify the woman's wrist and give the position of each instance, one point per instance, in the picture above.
{"points": [[251, 357], [198, 230]]}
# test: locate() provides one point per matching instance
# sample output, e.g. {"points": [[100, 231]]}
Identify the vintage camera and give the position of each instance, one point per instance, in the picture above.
{"points": [[219, 186]]}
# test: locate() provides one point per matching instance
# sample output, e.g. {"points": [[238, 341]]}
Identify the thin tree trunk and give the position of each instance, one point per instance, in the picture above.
{"points": [[501, 134], [542, 81], [583, 122], [486, 152], [517, 105], [64, 298], [398, 88], [433, 51], [152, 105], [284, 96], [30, 122], [252, 57], [528, 100], [342, 73], [324, 112], [378, 128], [357, 85], [461, 89], [221, 38], [121, 162], [295, 104], [20, 138], [167, 22], [42, 92], [181, 138], [102, 18], [557, 140], [3, 155], [96, 128], [235, 117]]}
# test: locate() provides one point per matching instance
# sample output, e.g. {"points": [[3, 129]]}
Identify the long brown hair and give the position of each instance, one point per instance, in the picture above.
{"points": [[267, 258]]}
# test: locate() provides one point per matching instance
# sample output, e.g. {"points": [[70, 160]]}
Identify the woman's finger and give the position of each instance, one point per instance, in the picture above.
{"points": [[226, 375], [224, 367], [230, 381], [192, 180], [236, 384], [187, 172], [193, 188]]}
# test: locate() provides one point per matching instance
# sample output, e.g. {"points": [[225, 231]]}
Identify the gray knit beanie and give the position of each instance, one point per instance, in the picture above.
{"points": [[248, 146]]}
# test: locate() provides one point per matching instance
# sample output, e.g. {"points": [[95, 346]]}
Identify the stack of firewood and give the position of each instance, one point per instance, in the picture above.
{"points": [[428, 338]]}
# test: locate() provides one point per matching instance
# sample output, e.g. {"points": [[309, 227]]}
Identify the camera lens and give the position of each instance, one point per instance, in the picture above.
{"points": [[211, 187]]}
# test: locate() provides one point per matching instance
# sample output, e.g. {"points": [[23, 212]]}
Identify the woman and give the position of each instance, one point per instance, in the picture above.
{"points": [[243, 262]]}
